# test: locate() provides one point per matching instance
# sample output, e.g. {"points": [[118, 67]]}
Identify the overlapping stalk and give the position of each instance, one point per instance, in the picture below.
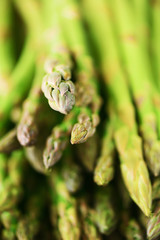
{"points": [[128, 143], [20, 80], [140, 81], [132, 230], [57, 141], [87, 95], [57, 83], [155, 37], [141, 12], [105, 214], [153, 226], [29, 224], [9, 142], [104, 170], [67, 217], [27, 130], [7, 58], [11, 185], [88, 219]]}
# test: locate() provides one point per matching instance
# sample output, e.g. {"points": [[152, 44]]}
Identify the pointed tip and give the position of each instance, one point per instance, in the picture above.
{"points": [[153, 157], [78, 134], [27, 135]]}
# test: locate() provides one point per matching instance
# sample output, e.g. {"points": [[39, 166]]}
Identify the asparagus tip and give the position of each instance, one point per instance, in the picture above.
{"points": [[153, 157], [53, 151], [27, 135], [78, 134]]}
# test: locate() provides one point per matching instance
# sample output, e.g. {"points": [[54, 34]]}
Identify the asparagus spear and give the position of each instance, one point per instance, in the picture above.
{"points": [[130, 228], [27, 130], [54, 216], [9, 142], [68, 224], [106, 218], [133, 231], [89, 230], [104, 170], [57, 141], [153, 226], [34, 153], [143, 10], [141, 15], [20, 82], [143, 89], [11, 189], [155, 37], [87, 85], [57, 85], [128, 142], [29, 224], [7, 59], [10, 219]]}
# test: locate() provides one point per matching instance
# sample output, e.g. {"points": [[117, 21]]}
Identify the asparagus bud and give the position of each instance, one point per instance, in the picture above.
{"points": [[9, 142], [59, 89], [85, 128], [153, 226], [55, 145]]}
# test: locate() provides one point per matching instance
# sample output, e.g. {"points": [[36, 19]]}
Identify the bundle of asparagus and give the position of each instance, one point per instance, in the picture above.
{"points": [[82, 73]]}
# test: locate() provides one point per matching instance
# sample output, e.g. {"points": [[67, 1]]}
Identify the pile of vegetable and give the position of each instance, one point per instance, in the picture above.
{"points": [[79, 119]]}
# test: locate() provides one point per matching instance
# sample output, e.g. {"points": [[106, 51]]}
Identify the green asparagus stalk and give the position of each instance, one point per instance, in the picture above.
{"points": [[85, 127], [29, 224], [57, 85], [106, 218], [27, 130], [128, 142], [9, 220], [68, 223], [87, 85], [143, 89], [34, 153], [153, 225], [7, 59], [133, 231], [54, 216], [11, 189], [87, 153], [20, 82], [9, 142], [104, 170], [89, 230], [130, 228], [155, 37], [56, 142], [143, 10], [141, 15]]}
